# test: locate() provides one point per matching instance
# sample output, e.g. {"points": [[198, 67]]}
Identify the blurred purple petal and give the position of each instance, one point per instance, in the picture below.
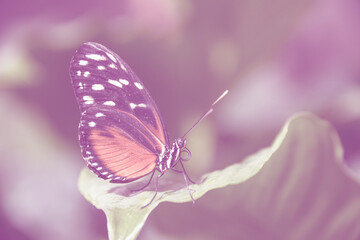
{"points": [[38, 178]]}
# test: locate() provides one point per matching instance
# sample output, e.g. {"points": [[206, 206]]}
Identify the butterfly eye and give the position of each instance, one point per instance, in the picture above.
{"points": [[180, 143]]}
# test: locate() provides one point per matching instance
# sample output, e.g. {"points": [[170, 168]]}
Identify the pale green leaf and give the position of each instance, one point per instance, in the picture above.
{"points": [[122, 205]]}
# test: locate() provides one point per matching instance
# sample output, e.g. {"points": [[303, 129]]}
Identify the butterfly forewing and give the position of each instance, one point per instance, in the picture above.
{"points": [[121, 132]]}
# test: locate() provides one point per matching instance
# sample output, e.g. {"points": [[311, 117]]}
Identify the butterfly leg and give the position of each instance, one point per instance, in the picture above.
{"points": [[156, 190], [175, 170], [152, 175], [187, 184], [178, 171], [185, 173]]}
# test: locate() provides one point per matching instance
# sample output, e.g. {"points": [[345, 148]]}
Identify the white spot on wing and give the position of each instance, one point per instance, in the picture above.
{"points": [[88, 99], [132, 105], [113, 66], [83, 62], [92, 124], [101, 67], [78, 73], [138, 85], [81, 85], [124, 81], [97, 87], [141, 105], [99, 168], [123, 67], [86, 74], [111, 56], [109, 103], [94, 164], [104, 173], [96, 57], [99, 115], [116, 83]]}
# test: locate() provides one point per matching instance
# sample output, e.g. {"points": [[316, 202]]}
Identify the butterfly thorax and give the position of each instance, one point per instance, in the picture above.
{"points": [[171, 157]]}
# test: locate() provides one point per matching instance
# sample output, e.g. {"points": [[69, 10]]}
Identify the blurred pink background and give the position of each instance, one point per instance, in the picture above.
{"points": [[276, 59]]}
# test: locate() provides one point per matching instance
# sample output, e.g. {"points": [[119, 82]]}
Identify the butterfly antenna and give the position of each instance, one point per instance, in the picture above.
{"points": [[210, 110]]}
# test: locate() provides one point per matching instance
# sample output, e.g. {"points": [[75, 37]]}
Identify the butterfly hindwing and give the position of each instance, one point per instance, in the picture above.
{"points": [[116, 145], [121, 132]]}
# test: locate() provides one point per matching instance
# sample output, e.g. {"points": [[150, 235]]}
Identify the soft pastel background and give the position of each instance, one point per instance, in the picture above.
{"points": [[276, 58]]}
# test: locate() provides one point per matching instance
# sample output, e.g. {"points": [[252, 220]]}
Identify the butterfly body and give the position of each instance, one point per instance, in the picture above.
{"points": [[172, 155]]}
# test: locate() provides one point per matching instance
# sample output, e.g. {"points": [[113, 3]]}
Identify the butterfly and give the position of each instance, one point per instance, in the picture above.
{"points": [[121, 133]]}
